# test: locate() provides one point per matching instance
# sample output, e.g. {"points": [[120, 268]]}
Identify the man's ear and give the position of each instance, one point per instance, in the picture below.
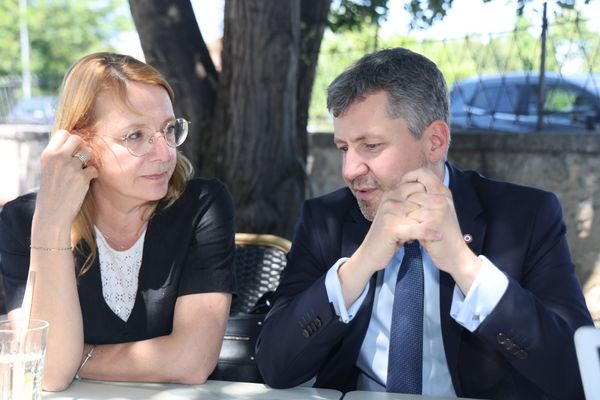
{"points": [[437, 140]]}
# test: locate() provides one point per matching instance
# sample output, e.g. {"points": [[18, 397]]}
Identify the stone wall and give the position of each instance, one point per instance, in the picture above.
{"points": [[20, 149], [566, 164]]}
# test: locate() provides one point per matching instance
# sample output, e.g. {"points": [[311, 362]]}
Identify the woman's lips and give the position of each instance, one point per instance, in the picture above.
{"points": [[159, 176]]}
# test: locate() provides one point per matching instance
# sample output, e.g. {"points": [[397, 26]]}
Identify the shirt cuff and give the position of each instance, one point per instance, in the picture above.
{"points": [[335, 296], [483, 296]]}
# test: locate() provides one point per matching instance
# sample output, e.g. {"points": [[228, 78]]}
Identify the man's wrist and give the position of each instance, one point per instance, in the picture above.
{"points": [[467, 272], [353, 280]]}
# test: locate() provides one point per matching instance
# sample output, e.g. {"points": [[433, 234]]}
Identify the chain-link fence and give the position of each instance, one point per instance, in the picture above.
{"points": [[539, 76], [38, 109], [9, 88]]}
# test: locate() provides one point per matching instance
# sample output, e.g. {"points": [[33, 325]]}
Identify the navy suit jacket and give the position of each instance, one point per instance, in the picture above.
{"points": [[523, 350]]}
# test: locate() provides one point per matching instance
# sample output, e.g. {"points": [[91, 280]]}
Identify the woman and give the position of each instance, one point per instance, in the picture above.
{"points": [[133, 262]]}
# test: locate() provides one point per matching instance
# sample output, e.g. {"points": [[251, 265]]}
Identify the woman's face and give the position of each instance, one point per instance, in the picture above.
{"points": [[124, 179]]}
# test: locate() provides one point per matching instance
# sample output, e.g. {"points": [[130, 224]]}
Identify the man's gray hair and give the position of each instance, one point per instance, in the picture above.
{"points": [[415, 87]]}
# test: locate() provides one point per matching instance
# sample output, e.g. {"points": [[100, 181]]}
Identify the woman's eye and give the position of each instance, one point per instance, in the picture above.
{"points": [[134, 136], [170, 129]]}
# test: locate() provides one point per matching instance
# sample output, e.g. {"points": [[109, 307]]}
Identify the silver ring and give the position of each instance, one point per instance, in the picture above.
{"points": [[83, 157]]}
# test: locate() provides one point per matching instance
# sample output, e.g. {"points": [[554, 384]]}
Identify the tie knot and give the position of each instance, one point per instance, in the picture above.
{"points": [[412, 249], [411, 245]]}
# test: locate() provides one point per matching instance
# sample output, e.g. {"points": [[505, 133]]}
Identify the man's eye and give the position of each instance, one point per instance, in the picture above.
{"points": [[372, 146], [343, 149]]}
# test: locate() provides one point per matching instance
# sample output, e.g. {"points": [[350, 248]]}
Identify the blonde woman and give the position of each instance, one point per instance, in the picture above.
{"points": [[133, 260]]}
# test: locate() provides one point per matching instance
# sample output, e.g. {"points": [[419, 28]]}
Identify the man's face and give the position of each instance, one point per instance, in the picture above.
{"points": [[377, 149]]}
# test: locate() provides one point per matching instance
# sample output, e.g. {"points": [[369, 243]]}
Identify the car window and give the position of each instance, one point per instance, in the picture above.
{"points": [[560, 100], [501, 98], [584, 102]]}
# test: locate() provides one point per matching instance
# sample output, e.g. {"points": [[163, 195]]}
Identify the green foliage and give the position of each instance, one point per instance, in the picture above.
{"points": [[337, 52], [425, 12], [354, 14], [60, 31]]}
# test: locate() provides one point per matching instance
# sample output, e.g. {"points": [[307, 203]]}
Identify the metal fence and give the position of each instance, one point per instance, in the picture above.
{"points": [[11, 90], [539, 76]]}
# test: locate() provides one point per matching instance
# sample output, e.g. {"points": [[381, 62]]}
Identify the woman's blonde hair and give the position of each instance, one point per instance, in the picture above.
{"points": [[83, 82]]}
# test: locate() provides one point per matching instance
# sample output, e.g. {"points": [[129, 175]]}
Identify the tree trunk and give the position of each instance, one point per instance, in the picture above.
{"points": [[173, 44], [253, 134], [313, 20], [254, 144]]}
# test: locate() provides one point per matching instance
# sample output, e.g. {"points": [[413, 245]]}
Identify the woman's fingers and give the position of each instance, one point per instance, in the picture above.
{"points": [[90, 172], [65, 177], [83, 155]]}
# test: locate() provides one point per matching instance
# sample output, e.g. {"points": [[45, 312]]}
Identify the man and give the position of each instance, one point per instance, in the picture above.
{"points": [[478, 270]]}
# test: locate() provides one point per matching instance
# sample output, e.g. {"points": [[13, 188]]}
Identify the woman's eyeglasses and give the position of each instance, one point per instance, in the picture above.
{"points": [[140, 141]]}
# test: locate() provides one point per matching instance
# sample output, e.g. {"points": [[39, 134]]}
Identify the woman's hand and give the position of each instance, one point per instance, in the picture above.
{"points": [[65, 179]]}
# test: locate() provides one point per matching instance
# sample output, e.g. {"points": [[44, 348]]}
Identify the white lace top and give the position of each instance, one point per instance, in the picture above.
{"points": [[119, 271]]}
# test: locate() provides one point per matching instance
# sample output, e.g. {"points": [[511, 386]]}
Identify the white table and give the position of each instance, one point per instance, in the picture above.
{"points": [[360, 395], [211, 390]]}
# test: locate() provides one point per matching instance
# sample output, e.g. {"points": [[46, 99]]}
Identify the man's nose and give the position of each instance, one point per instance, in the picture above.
{"points": [[354, 166]]}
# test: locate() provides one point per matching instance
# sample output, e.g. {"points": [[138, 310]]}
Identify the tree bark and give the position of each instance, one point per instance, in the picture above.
{"points": [[173, 44], [249, 124], [254, 144], [313, 20]]}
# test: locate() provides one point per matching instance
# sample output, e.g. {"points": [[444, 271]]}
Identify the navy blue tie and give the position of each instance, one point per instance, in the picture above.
{"points": [[405, 362]]}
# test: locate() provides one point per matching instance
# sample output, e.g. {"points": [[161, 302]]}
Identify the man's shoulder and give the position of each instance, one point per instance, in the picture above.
{"points": [[498, 191], [474, 192]]}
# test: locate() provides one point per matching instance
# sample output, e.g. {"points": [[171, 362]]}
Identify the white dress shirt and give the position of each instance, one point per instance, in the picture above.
{"points": [[469, 311]]}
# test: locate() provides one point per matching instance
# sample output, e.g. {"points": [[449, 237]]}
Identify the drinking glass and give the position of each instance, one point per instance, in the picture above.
{"points": [[22, 359]]}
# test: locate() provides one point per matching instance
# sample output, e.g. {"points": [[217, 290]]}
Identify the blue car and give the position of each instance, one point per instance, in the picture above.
{"points": [[34, 110], [509, 103]]}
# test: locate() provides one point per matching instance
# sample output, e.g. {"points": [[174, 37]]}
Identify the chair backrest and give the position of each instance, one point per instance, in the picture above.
{"points": [[587, 345], [259, 260], [258, 264]]}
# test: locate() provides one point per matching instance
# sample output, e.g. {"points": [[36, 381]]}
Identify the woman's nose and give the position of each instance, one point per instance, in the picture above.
{"points": [[160, 147]]}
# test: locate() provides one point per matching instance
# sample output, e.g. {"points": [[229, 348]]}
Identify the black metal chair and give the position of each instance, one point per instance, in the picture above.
{"points": [[260, 259]]}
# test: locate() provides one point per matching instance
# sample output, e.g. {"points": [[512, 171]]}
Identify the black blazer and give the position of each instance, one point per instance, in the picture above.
{"points": [[523, 350]]}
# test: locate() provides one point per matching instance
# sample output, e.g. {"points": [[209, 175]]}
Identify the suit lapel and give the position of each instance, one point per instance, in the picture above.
{"points": [[472, 224], [468, 209]]}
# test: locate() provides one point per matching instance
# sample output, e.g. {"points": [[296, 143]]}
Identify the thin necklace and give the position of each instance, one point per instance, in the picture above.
{"points": [[117, 246]]}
